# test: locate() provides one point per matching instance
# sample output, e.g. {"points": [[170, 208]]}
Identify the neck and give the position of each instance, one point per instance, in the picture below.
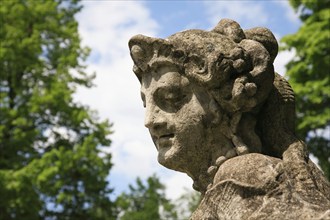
{"points": [[203, 178]]}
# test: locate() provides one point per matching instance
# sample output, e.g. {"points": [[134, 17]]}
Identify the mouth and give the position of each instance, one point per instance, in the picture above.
{"points": [[164, 141], [166, 136]]}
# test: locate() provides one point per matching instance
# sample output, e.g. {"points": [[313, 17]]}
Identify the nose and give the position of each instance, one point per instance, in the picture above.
{"points": [[154, 117]]}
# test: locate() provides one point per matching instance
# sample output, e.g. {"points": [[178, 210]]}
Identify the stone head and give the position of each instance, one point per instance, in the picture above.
{"points": [[202, 91]]}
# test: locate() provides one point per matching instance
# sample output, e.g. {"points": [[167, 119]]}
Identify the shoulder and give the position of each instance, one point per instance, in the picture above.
{"points": [[250, 169]]}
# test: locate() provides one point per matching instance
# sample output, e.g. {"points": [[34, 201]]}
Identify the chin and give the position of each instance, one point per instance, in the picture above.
{"points": [[170, 159]]}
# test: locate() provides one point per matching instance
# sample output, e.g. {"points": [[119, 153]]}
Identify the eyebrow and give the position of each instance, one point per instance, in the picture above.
{"points": [[164, 63]]}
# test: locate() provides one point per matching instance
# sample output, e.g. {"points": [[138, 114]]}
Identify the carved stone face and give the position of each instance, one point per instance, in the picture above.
{"points": [[177, 119]]}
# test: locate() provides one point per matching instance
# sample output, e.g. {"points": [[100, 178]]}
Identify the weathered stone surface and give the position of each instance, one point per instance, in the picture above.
{"points": [[217, 111]]}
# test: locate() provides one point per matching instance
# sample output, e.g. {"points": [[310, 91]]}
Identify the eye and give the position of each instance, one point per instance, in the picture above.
{"points": [[171, 99]]}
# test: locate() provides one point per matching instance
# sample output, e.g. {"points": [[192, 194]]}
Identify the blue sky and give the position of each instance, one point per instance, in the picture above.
{"points": [[175, 16], [106, 27]]}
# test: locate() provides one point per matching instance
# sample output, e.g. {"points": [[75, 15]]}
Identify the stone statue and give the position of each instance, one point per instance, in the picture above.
{"points": [[217, 111]]}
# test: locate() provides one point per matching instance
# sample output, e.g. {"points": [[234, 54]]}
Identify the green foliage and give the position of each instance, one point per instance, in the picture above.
{"points": [[51, 162], [145, 201], [309, 76]]}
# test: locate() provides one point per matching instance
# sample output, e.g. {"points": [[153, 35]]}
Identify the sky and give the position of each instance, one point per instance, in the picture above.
{"points": [[107, 26]]}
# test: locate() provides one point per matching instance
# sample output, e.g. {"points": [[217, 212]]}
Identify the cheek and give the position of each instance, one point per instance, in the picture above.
{"points": [[191, 119], [191, 136]]}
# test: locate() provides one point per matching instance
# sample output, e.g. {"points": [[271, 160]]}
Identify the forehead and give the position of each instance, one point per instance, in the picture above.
{"points": [[163, 76]]}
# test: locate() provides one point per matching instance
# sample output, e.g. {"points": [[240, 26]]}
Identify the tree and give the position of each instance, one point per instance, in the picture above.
{"points": [[51, 160], [309, 76], [145, 201]]}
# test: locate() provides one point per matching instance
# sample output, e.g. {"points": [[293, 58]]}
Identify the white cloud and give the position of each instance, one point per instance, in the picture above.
{"points": [[135, 158], [176, 184], [247, 13], [106, 27], [282, 59]]}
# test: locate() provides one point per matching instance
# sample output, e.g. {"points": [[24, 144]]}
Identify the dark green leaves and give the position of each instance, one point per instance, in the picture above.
{"points": [[50, 146], [309, 76], [145, 201]]}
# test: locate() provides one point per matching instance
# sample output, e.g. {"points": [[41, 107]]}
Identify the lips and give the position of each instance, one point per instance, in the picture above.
{"points": [[165, 140]]}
